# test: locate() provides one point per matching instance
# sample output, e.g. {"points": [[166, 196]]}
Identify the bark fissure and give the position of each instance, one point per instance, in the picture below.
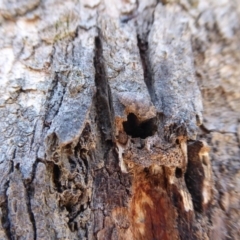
{"points": [[103, 93], [56, 176], [53, 107], [29, 195], [6, 223], [33, 173], [143, 50]]}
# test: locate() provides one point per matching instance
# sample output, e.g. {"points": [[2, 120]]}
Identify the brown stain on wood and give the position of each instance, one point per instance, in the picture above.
{"points": [[152, 213]]}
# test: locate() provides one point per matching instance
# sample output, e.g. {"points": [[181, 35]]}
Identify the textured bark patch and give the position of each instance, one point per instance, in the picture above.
{"points": [[61, 82], [11, 9]]}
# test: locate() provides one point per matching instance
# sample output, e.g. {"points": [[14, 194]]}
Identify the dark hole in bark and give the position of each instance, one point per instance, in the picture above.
{"points": [[72, 164], [56, 177], [146, 170], [194, 176], [178, 172], [135, 128]]}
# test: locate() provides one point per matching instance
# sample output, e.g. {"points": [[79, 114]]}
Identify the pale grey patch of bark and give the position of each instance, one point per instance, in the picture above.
{"points": [[123, 68], [11, 9], [170, 54]]}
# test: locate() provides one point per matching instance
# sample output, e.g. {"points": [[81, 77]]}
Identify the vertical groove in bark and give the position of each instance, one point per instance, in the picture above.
{"points": [[6, 224], [18, 204], [103, 93], [5, 221], [143, 50], [111, 187], [56, 177], [31, 215], [53, 106], [29, 186], [143, 46]]}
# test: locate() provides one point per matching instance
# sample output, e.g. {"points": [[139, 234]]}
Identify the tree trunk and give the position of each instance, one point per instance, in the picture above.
{"points": [[103, 133]]}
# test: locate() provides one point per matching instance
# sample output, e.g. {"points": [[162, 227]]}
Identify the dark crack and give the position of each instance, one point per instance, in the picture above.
{"points": [[29, 192], [4, 206], [103, 94], [5, 220], [143, 50], [54, 107]]}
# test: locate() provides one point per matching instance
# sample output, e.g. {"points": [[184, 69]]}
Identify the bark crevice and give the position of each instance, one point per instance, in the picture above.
{"points": [[54, 103], [6, 223], [148, 79], [29, 194], [103, 94]]}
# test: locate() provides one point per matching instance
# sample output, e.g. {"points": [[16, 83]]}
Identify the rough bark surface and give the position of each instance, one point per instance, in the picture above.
{"points": [[119, 119]]}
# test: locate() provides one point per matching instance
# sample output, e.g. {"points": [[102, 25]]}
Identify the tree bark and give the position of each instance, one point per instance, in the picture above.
{"points": [[119, 119]]}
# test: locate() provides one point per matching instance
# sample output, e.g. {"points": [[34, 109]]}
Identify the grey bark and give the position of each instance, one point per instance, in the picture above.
{"points": [[119, 119]]}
